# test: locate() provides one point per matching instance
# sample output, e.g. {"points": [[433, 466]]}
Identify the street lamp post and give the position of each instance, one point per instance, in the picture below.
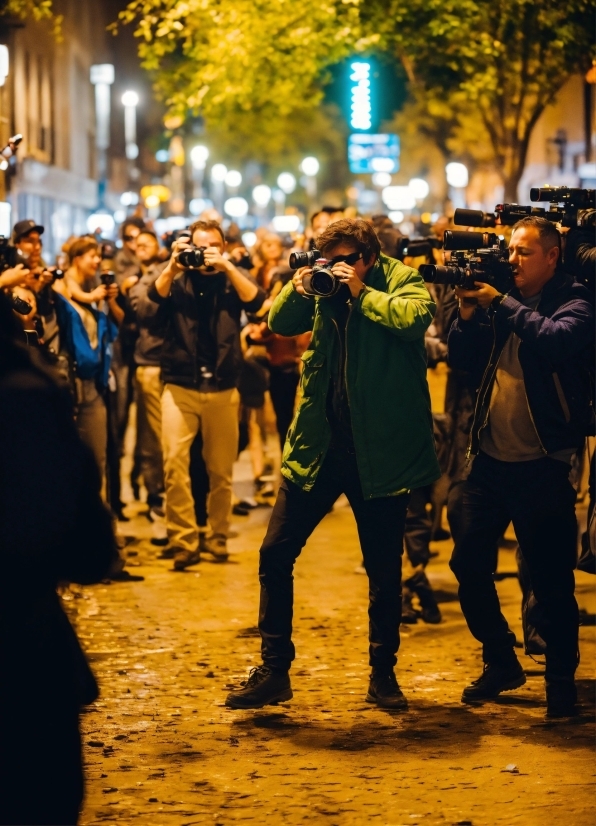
{"points": [[287, 184], [218, 176], [457, 178], [261, 195], [310, 168], [198, 159], [130, 101], [102, 77]]}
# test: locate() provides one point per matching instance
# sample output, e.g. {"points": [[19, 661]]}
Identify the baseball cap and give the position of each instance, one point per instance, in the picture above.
{"points": [[24, 227]]}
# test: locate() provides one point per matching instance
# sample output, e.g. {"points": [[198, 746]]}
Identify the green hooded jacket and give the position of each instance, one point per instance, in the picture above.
{"points": [[385, 381]]}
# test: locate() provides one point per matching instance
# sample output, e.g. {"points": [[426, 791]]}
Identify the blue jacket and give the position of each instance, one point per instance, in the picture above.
{"points": [[88, 363], [555, 353]]}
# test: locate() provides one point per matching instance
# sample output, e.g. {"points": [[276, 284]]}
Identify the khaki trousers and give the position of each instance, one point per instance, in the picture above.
{"points": [[184, 413], [148, 447], [150, 385]]}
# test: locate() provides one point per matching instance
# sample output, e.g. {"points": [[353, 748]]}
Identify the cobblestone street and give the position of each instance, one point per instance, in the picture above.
{"points": [[160, 746]]}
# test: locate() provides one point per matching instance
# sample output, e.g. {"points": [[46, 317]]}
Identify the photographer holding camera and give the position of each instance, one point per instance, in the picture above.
{"points": [[363, 428], [88, 334], [527, 351], [201, 295]]}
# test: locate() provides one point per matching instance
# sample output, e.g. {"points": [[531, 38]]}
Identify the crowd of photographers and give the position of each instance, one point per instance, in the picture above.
{"points": [[213, 341]]}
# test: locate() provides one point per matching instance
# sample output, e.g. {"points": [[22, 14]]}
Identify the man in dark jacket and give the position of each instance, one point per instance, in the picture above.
{"points": [[363, 428], [54, 529], [199, 314], [528, 351]]}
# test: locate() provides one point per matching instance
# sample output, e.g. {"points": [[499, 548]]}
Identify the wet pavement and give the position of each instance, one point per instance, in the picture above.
{"points": [[160, 747]]}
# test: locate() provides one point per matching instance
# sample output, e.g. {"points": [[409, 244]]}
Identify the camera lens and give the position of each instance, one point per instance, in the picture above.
{"points": [[303, 259], [321, 282]]}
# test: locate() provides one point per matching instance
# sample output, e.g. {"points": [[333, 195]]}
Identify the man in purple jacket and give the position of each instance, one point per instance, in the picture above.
{"points": [[529, 352]]}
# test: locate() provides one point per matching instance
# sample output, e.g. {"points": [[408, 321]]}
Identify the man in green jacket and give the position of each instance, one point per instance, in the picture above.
{"points": [[363, 428]]}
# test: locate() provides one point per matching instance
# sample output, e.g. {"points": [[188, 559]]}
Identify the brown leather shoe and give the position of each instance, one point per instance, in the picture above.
{"points": [[217, 546], [184, 559]]}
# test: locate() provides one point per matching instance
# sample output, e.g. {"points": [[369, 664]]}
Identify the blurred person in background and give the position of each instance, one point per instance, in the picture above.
{"points": [[147, 355], [126, 267], [268, 253], [89, 333], [66, 537], [126, 262], [236, 250], [27, 238], [282, 352], [319, 221], [199, 309]]}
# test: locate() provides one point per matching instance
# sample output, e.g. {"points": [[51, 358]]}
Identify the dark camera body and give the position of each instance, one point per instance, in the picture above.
{"points": [[108, 250], [321, 280], [10, 256], [19, 305], [414, 247], [168, 238], [476, 256], [107, 278], [193, 258]]}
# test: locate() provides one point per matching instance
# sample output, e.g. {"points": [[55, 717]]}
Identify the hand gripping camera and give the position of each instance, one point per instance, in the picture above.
{"points": [[321, 281], [476, 256]]}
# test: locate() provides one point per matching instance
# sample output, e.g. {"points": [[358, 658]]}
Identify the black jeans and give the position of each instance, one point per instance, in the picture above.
{"points": [[538, 498], [296, 514], [283, 384], [418, 527]]}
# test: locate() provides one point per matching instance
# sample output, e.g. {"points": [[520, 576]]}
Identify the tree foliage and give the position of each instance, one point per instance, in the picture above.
{"points": [[33, 10], [506, 60], [251, 68], [255, 69]]}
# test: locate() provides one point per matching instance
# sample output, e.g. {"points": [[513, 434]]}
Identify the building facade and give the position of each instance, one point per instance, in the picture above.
{"points": [[49, 99]]}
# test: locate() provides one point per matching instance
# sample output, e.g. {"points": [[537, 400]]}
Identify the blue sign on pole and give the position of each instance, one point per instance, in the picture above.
{"points": [[373, 153]]}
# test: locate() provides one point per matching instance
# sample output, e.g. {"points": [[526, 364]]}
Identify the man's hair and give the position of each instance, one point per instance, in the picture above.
{"points": [[81, 246], [132, 222], [149, 232], [207, 226], [353, 231], [548, 234]]}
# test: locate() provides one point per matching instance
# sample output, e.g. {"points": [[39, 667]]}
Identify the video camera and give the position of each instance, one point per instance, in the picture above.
{"points": [[476, 256], [573, 208], [321, 281]]}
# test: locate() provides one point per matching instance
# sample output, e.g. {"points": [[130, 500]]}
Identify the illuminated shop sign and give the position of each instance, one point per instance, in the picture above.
{"points": [[373, 153]]}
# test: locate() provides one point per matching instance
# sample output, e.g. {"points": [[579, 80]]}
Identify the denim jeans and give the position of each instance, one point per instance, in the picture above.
{"points": [[296, 514], [538, 498]]}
